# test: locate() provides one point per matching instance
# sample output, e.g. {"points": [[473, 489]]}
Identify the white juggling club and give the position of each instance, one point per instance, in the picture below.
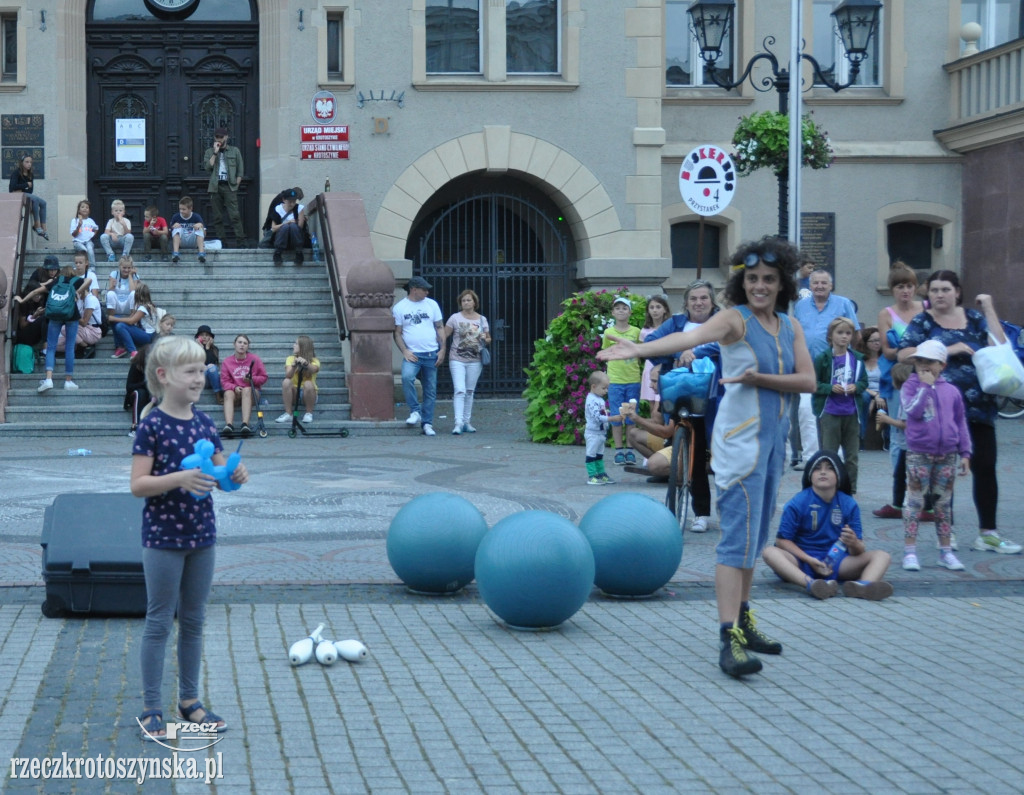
{"points": [[351, 650], [302, 651], [326, 654]]}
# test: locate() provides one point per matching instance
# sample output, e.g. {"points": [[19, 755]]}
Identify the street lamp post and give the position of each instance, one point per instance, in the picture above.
{"points": [[711, 21]]}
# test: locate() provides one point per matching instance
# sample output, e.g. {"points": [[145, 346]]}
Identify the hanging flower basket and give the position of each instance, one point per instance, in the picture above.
{"points": [[762, 141]]}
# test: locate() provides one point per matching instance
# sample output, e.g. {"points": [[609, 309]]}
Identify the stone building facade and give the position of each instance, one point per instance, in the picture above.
{"points": [[527, 148]]}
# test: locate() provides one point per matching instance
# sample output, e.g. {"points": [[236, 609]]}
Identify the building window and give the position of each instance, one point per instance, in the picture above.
{"points": [[1001, 20], [531, 41], [9, 23], [453, 36], [829, 52], [464, 44], [912, 242], [136, 11], [683, 243], [683, 64], [336, 58], [335, 46]]}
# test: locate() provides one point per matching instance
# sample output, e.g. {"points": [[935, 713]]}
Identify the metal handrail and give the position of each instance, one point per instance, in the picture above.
{"points": [[317, 214], [7, 299]]}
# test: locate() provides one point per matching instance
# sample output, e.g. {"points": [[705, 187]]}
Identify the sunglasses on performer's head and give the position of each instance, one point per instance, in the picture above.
{"points": [[753, 258]]}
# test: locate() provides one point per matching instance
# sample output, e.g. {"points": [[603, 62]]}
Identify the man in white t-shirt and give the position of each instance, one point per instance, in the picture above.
{"points": [[419, 335]]}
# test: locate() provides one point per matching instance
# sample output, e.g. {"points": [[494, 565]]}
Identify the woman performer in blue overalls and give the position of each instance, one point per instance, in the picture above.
{"points": [[764, 360]]}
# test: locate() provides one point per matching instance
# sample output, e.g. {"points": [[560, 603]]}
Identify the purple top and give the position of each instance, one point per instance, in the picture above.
{"points": [[844, 373], [936, 418], [175, 519]]}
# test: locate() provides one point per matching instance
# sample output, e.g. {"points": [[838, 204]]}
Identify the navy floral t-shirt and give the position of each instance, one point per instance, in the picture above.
{"points": [[175, 519], [981, 407]]}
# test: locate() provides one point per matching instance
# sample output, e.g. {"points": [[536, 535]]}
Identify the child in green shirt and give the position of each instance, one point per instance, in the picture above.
{"points": [[624, 375]]}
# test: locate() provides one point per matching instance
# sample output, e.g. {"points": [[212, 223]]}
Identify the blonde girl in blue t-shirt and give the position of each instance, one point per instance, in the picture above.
{"points": [[178, 530]]}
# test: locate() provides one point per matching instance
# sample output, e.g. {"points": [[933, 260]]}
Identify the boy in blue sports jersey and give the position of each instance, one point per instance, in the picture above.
{"points": [[812, 521]]}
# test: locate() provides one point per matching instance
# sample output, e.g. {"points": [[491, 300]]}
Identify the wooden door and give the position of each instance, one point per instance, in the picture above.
{"points": [[185, 80]]}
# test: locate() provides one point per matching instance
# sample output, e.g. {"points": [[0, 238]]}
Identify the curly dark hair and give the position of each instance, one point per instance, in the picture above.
{"points": [[787, 259]]}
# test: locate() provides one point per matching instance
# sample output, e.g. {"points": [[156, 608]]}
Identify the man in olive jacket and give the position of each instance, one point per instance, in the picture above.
{"points": [[224, 162]]}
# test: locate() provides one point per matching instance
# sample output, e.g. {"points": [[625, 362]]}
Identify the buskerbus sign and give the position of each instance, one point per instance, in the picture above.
{"points": [[707, 180]]}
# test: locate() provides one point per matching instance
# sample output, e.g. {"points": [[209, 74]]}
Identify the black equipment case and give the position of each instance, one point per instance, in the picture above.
{"points": [[92, 556]]}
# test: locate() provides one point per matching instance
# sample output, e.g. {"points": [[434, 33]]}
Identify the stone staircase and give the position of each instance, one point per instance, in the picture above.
{"points": [[237, 291]]}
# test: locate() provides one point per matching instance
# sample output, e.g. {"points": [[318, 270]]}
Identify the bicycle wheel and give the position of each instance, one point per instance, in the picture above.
{"points": [[678, 499], [1010, 408]]}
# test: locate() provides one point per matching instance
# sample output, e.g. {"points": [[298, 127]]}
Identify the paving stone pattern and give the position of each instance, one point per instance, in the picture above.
{"points": [[920, 693]]}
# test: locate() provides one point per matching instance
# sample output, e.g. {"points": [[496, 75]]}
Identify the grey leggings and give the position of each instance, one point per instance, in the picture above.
{"points": [[174, 578]]}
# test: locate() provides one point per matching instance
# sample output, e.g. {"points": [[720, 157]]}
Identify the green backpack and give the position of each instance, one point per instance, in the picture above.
{"points": [[24, 359], [60, 304]]}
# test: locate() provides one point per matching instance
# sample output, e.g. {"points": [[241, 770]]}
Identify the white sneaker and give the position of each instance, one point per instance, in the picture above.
{"points": [[910, 562], [414, 419], [307, 417], [284, 417], [70, 385], [45, 385], [949, 561], [983, 543], [457, 430], [428, 429], [699, 524]]}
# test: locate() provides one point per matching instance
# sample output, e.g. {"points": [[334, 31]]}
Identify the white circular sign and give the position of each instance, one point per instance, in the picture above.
{"points": [[324, 107], [707, 180]]}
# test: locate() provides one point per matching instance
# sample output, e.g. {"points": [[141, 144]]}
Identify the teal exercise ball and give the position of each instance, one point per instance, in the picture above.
{"points": [[636, 541], [534, 570], [432, 542]]}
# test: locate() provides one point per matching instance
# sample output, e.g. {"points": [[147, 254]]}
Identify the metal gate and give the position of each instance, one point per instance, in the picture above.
{"points": [[513, 255]]}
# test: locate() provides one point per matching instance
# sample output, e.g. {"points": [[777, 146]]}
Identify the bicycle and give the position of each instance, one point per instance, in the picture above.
{"points": [[1008, 407], [684, 397]]}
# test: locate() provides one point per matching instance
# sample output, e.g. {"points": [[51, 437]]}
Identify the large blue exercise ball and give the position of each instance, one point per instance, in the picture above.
{"points": [[432, 542], [534, 569], [636, 542]]}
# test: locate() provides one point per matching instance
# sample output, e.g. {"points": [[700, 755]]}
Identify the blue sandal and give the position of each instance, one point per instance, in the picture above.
{"points": [[207, 717], [153, 727]]}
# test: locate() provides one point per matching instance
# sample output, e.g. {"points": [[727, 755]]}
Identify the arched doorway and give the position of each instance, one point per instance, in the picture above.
{"points": [[506, 241], [182, 78]]}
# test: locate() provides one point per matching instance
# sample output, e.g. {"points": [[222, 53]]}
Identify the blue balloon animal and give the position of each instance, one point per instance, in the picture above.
{"points": [[202, 459]]}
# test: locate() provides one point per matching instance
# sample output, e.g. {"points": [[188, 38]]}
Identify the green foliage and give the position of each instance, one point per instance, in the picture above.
{"points": [[557, 385], [762, 141]]}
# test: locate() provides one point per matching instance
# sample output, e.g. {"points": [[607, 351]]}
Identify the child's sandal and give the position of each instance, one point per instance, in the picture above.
{"points": [[153, 728], [207, 716]]}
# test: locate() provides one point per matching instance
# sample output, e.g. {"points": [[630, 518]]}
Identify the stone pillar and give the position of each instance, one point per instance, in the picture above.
{"points": [[371, 291], [367, 291]]}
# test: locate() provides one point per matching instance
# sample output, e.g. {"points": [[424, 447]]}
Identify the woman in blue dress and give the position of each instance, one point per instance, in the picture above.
{"points": [[764, 360]]}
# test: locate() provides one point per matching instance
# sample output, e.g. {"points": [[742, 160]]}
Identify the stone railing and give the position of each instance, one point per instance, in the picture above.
{"points": [[987, 94]]}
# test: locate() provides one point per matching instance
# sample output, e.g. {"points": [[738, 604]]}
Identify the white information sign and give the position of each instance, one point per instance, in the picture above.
{"points": [[707, 180], [130, 135]]}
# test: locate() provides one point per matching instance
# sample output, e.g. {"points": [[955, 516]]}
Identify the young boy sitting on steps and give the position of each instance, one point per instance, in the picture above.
{"points": [[187, 230]]}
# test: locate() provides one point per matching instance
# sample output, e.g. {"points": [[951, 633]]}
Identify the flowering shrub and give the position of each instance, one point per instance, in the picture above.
{"points": [[762, 141], [556, 386]]}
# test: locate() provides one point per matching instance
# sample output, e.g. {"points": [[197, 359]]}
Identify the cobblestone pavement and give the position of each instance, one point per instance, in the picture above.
{"points": [[921, 693]]}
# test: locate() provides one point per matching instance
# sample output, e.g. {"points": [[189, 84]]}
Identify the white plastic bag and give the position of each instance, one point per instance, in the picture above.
{"points": [[999, 370]]}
